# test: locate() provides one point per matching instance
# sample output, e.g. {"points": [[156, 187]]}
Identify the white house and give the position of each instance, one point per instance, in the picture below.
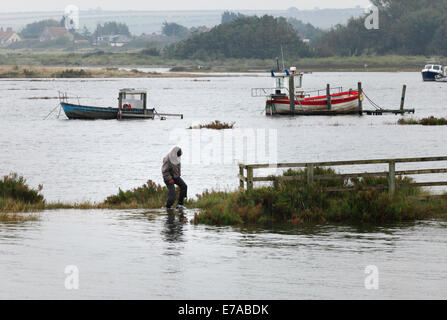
{"points": [[8, 37]]}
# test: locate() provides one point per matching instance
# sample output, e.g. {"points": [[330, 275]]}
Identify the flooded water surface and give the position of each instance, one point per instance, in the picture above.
{"points": [[138, 254], [150, 255]]}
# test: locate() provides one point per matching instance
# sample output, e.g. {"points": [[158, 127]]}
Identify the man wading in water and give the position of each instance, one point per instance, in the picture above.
{"points": [[171, 175]]}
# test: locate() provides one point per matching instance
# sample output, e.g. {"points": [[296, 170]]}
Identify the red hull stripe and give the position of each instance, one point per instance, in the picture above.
{"points": [[310, 102]]}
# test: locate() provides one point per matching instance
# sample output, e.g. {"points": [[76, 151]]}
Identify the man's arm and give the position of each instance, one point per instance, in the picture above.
{"points": [[166, 170]]}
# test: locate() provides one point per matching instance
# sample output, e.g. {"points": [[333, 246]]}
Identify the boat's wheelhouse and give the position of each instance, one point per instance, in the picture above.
{"points": [[132, 99], [282, 88], [431, 71]]}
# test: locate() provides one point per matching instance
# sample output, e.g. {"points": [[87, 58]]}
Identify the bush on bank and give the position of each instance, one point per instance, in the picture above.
{"points": [[150, 195], [296, 202], [16, 196]]}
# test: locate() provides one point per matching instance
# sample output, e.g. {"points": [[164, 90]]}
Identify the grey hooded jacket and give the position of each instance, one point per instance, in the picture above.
{"points": [[171, 168]]}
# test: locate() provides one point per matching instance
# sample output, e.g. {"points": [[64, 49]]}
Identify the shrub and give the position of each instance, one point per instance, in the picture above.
{"points": [[295, 201], [150, 195], [215, 125], [14, 187], [71, 73], [430, 121]]}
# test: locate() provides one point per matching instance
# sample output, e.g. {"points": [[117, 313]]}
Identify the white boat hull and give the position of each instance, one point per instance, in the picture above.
{"points": [[341, 104]]}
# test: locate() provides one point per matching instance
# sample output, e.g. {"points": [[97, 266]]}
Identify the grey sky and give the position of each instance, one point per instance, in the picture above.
{"points": [[57, 5]]}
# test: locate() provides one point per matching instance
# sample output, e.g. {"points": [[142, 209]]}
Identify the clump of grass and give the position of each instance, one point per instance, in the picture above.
{"points": [[150, 195], [17, 217], [15, 187], [72, 73], [16, 196], [216, 125], [296, 202], [430, 121]]}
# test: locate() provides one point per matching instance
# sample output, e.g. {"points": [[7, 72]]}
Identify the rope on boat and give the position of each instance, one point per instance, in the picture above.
{"points": [[52, 112], [375, 105]]}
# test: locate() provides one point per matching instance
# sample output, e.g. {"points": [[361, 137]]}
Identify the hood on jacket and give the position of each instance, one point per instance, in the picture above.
{"points": [[174, 155]]}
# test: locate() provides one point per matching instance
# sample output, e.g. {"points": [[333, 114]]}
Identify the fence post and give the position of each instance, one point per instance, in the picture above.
{"points": [[310, 174], [241, 181], [249, 178], [392, 177], [292, 94], [328, 96], [402, 100]]}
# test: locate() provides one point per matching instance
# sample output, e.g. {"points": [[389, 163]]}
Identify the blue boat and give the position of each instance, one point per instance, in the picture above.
{"points": [[131, 105], [81, 112], [431, 72]]}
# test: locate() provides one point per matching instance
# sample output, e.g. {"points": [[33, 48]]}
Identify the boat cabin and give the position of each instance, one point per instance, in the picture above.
{"points": [[282, 82], [432, 71], [129, 99], [433, 67]]}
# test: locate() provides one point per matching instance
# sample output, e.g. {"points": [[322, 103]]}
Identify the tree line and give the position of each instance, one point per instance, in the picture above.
{"points": [[243, 37], [406, 27], [35, 29]]}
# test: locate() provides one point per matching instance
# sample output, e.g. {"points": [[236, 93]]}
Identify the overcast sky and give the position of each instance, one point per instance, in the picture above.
{"points": [[58, 5]]}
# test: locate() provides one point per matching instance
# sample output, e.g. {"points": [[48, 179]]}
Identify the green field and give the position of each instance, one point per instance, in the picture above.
{"points": [[140, 59]]}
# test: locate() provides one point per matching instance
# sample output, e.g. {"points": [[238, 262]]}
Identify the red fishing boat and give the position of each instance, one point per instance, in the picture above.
{"points": [[329, 101]]}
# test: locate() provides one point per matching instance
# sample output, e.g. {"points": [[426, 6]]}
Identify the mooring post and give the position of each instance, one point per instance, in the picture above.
{"points": [[249, 178], [292, 94], [310, 174], [328, 96], [241, 175], [392, 177], [360, 98], [120, 103], [402, 100]]}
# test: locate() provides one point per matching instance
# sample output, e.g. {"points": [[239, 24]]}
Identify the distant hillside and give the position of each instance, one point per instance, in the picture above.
{"points": [[151, 21], [248, 37]]}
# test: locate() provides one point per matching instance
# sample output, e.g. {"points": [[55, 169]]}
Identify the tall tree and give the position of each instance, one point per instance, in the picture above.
{"points": [[34, 30], [112, 28], [174, 30]]}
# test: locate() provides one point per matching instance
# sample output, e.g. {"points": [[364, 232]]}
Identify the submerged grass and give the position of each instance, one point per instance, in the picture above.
{"points": [[60, 72], [17, 198], [430, 121], [17, 217], [286, 201], [296, 202], [215, 125], [151, 195], [52, 57]]}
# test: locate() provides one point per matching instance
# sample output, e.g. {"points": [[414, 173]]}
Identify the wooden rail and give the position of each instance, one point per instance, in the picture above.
{"points": [[247, 181]]}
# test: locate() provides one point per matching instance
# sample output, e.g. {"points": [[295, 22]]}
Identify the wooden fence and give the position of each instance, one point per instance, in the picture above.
{"points": [[247, 181]]}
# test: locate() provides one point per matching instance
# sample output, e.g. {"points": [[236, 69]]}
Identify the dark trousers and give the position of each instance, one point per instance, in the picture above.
{"points": [[171, 193]]}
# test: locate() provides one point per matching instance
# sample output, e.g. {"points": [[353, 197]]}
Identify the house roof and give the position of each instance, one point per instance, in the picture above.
{"points": [[5, 35], [56, 31]]}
